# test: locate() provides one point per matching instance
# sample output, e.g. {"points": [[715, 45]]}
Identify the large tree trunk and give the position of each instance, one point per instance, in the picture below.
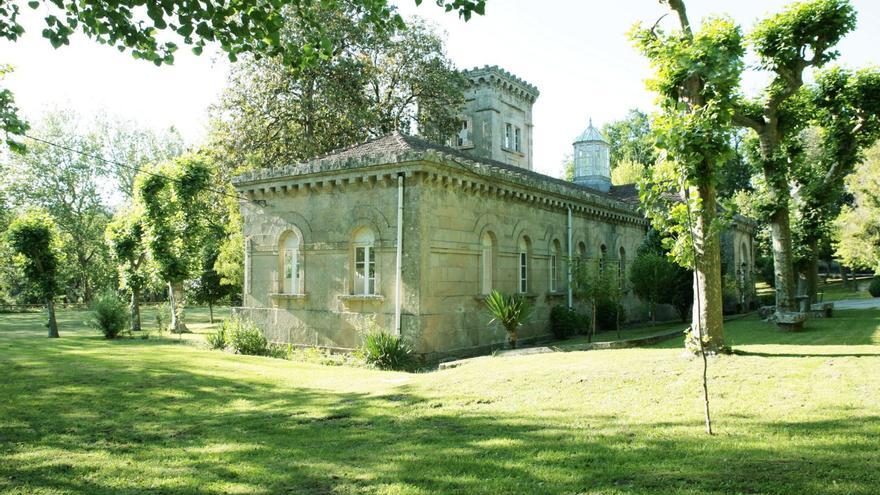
{"points": [[135, 307], [52, 325], [783, 260], [708, 317], [175, 296], [210, 312]]}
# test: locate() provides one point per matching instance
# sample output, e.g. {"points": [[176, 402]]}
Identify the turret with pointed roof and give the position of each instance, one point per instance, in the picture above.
{"points": [[592, 165]]}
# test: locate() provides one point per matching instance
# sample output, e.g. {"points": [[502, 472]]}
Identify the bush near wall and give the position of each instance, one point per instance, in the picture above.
{"points": [[874, 287]]}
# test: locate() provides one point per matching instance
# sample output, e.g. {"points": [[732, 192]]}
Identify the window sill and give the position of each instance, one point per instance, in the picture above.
{"points": [[513, 151], [280, 295], [555, 294], [362, 297]]}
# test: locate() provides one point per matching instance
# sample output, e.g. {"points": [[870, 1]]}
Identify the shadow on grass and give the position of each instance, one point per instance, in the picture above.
{"points": [[87, 419]]}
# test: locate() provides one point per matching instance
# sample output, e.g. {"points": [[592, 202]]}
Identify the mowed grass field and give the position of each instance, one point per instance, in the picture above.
{"points": [[795, 413]]}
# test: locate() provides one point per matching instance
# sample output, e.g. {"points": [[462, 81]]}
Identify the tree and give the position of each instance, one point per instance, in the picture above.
{"points": [[649, 275], [33, 239], [273, 114], [593, 285], [511, 312], [152, 30], [175, 197], [126, 142], [800, 37], [627, 172], [125, 236], [696, 75], [657, 279], [209, 287], [846, 105], [10, 123], [631, 139], [857, 232], [67, 185]]}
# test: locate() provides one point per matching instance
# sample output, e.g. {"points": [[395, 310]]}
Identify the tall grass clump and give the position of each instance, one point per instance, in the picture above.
{"points": [[380, 349], [244, 337]]}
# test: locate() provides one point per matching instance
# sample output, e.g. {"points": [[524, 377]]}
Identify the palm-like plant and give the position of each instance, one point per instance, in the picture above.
{"points": [[511, 312]]}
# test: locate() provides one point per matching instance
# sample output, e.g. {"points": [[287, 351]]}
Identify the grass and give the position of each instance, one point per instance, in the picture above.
{"points": [[795, 413]]}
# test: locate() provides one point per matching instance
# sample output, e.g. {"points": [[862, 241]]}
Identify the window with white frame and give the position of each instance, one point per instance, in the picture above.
{"points": [[364, 263], [290, 264], [463, 138], [486, 263], [508, 136], [517, 139], [523, 265]]}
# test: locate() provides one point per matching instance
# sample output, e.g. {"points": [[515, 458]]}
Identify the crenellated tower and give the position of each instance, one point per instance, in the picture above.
{"points": [[497, 117]]}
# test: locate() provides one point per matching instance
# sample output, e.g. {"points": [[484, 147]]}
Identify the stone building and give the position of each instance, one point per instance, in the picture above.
{"points": [[413, 234]]}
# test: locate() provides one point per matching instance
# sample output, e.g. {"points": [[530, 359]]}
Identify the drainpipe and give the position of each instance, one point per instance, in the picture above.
{"points": [[398, 275], [569, 257]]}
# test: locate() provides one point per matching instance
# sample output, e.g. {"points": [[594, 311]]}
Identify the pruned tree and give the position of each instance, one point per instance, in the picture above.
{"points": [[34, 241], [846, 109], [696, 76], [126, 237], [800, 37], [175, 197]]}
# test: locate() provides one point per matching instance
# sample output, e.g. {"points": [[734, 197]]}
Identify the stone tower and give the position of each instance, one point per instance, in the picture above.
{"points": [[592, 163], [497, 117]]}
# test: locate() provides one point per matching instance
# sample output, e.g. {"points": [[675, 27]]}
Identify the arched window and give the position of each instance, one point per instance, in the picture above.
{"points": [[554, 266], [621, 267], [364, 262], [603, 253], [582, 251], [487, 252], [524, 254], [289, 283]]}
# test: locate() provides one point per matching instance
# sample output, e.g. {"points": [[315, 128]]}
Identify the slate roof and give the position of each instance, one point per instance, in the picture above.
{"points": [[590, 134], [397, 147]]}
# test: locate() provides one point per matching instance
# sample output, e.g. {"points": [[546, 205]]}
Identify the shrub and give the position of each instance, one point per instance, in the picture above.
{"points": [[382, 350], [245, 338], [163, 316], [511, 312], [564, 321], [218, 340], [109, 314], [874, 288]]}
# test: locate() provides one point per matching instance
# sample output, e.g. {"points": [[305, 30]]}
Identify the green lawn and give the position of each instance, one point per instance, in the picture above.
{"points": [[795, 413]]}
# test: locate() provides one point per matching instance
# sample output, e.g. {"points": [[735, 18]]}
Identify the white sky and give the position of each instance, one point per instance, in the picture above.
{"points": [[575, 51]]}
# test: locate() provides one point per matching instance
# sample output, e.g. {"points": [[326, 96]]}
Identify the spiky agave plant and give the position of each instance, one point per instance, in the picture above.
{"points": [[511, 312]]}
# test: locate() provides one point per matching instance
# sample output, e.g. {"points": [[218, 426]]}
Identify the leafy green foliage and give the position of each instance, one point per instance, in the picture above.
{"points": [[68, 186], [627, 172], [630, 140], [152, 30], [857, 232], [382, 81], [10, 123], [109, 314], [874, 287], [657, 279], [175, 199], [511, 312], [244, 337], [33, 239], [381, 349]]}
